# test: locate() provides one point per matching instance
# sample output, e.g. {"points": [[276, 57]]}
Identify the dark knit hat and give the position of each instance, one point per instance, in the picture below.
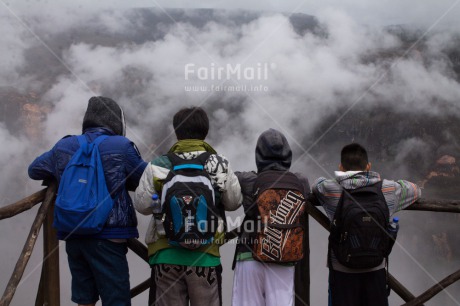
{"points": [[273, 151], [104, 112]]}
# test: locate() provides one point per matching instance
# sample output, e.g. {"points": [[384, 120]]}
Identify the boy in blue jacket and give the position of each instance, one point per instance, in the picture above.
{"points": [[98, 262]]}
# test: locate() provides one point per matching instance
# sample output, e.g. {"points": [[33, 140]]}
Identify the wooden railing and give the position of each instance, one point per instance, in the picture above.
{"points": [[395, 285], [47, 294], [49, 286]]}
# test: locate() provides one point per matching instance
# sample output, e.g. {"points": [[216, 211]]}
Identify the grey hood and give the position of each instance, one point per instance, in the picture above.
{"points": [[273, 151], [104, 112]]}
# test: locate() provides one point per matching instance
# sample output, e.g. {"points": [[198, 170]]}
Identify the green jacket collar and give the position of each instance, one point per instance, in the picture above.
{"points": [[192, 145]]}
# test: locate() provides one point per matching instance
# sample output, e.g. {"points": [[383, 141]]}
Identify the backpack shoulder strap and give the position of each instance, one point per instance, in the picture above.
{"points": [[100, 139], [371, 189], [173, 158], [203, 157], [276, 179], [339, 208], [198, 163], [82, 140], [375, 188]]}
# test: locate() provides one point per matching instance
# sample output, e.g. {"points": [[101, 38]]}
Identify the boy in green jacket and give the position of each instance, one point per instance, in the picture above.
{"points": [[181, 275]]}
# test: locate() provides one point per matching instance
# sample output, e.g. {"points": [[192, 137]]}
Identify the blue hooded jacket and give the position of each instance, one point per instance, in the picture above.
{"points": [[122, 163]]}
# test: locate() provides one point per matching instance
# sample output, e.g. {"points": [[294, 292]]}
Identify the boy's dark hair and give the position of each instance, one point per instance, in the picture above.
{"points": [[354, 157], [191, 123]]}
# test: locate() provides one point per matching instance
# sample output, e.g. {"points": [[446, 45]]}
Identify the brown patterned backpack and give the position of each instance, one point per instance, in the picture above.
{"points": [[281, 205]]}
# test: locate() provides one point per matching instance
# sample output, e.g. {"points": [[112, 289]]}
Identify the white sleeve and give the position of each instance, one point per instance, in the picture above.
{"points": [[144, 192], [225, 180], [232, 198]]}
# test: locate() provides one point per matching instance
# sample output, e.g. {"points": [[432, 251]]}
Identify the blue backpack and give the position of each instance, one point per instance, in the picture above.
{"points": [[83, 203]]}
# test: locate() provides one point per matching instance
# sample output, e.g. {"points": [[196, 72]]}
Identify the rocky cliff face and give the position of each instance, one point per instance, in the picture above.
{"points": [[21, 113], [403, 140]]}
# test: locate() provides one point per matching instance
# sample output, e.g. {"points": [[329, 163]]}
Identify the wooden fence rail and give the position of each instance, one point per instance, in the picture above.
{"points": [[421, 205], [28, 247], [50, 269], [436, 206], [22, 205], [48, 292], [140, 250], [430, 293]]}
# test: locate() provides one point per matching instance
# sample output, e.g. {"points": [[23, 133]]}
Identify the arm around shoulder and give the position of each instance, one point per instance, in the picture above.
{"points": [[135, 165], [318, 190], [232, 196], [225, 181]]}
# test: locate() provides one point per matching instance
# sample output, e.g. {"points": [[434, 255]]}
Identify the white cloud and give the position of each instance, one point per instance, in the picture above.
{"points": [[310, 76]]}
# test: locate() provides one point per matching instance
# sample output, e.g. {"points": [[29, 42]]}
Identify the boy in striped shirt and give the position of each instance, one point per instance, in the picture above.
{"points": [[359, 287]]}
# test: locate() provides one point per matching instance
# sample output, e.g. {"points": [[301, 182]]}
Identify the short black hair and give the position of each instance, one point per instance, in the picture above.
{"points": [[354, 157], [191, 123]]}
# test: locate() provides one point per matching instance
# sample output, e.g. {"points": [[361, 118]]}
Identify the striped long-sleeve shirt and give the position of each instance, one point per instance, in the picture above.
{"points": [[398, 195]]}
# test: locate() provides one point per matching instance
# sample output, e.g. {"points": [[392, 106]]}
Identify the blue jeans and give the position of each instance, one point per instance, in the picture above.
{"points": [[99, 269]]}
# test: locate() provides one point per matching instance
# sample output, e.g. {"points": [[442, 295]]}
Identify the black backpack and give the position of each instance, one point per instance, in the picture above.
{"points": [[359, 237], [188, 203]]}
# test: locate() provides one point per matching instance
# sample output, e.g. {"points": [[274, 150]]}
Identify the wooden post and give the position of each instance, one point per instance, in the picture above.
{"points": [[51, 260], [231, 234], [399, 289], [28, 247], [302, 271], [40, 299], [139, 248], [140, 288]]}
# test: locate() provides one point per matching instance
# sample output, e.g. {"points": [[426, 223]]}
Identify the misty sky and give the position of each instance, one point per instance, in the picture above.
{"points": [[356, 65], [383, 12]]}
